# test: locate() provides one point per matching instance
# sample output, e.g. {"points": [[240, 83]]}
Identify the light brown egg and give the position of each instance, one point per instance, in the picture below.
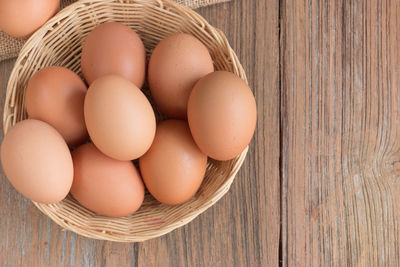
{"points": [[56, 95], [174, 167], [21, 18], [119, 118], [176, 64], [222, 115], [104, 185], [37, 161], [114, 48]]}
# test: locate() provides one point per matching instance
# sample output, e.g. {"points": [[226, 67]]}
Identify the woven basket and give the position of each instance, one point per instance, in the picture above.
{"points": [[59, 42]]}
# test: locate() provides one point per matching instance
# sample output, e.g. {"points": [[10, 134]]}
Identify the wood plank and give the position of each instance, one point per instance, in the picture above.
{"points": [[340, 146], [242, 229]]}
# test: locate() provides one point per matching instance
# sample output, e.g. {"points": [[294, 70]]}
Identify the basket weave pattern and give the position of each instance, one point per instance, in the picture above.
{"points": [[59, 42]]}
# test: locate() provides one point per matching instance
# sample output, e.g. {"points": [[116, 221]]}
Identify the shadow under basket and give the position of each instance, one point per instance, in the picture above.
{"points": [[59, 42]]}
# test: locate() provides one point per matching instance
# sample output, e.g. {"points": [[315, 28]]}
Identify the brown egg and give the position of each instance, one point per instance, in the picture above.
{"points": [[21, 18], [174, 167], [222, 115], [104, 185], [113, 48], [176, 64], [56, 95], [119, 118], [37, 161]]}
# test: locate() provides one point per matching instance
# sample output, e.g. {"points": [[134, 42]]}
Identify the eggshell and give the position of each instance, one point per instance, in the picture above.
{"points": [[119, 118], [174, 167], [176, 64], [104, 185], [56, 95], [113, 48], [222, 115], [21, 18], [37, 161]]}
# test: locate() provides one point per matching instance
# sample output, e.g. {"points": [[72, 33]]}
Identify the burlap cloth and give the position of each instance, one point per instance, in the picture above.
{"points": [[10, 47]]}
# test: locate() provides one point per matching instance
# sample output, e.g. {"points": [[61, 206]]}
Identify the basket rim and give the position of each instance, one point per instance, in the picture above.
{"points": [[8, 113]]}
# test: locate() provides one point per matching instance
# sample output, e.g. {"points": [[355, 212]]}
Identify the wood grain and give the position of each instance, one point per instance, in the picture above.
{"points": [[240, 230], [340, 139]]}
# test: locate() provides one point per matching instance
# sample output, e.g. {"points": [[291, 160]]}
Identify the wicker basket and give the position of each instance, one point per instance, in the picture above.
{"points": [[59, 42]]}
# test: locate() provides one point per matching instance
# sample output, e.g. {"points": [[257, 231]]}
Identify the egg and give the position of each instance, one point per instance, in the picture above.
{"points": [[104, 185], [56, 95], [222, 115], [175, 65], [37, 161], [174, 167], [119, 118], [21, 18], [113, 48]]}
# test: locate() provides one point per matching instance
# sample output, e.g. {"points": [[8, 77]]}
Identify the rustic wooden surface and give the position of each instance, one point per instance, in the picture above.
{"points": [[240, 230], [340, 140], [320, 185]]}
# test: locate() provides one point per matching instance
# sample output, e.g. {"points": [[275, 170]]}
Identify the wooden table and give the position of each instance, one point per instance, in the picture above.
{"points": [[320, 185]]}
